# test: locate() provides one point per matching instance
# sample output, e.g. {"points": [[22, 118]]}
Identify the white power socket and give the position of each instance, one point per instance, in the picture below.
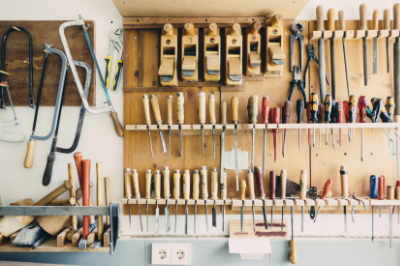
{"points": [[171, 254]]}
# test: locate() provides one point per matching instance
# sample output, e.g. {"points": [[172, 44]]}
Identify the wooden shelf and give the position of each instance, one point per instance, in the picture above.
{"points": [[354, 34], [51, 246]]}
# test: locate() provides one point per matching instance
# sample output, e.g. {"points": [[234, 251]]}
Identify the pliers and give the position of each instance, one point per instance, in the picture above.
{"points": [[296, 81], [296, 30], [114, 60], [311, 56]]}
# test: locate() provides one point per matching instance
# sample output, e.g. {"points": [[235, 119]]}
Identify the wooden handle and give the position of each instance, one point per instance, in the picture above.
{"points": [[168, 29], [331, 19], [177, 184], [146, 107], [381, 187], [166, 179], [236, 29], [341, 20], [54, 194], [375, 20], [243, 189], [250, 181], [72, 181], [260, 181], [148, 183], [327, 188], [397, 194], [189, 28], [157, 184], [28, 162], [196, 183], [252, 109], [386, 19], [223, 114], [170, 110], [390, 192], [107, 188], [224, 187], [212, 29], [211, 110], [292, 254], [78, 157], [100, 199], [127, 183], [396, 16], [119, 129], [155, 106], [180, 111], [135, 181], [283, 183], [235, 109], [320, 18], [186, 184], [202, 107], [363, 17], [204, 182], [303, 184], [344, 181], [85, 195], [272, 184], [214, 184]]}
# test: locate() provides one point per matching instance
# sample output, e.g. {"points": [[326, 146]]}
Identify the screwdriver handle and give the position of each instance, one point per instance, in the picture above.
{"points": [[265, 109], [341, 20], [363, 17], [362, 108], [196, 183], [202, 107], [135, 181], [177, 184], [396, 16], [283, 183], [390, 192], [340, 112], [352, 109], [397, 190], [211, 110], [320, 18], [157, 184], [156, 108], [235, 109], [146, 107], [180, 111], [275, 115], [148, 183], [328, 108], [214, 184], [252, 109], [260, 179], [204, 182], [186, 184], [389, 106], [286, 112], [375, 20], [224, 111], [272, 184], [381, 187], [303, 184], [128, 185], [386, 19], [299, 110], [224, 190], [243, 189], [292, 254], [327, 188], [331, 19], [166, 181], [344, 182], [250, 181], [170, 109], [373, 187], [314, 107]]}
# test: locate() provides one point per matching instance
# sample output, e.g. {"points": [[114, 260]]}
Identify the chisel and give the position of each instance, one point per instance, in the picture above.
{"points": [[204, 191], [222, 145], [362, 106], [260, 179], [170, 121], [148, 195], [265, 114], [235, 120], [283, 193], [250, 181], [386, 26], [327, 116], [275, 119], [196, 183], [214, 195], [321, 51], [157, 197], [352, 113], [136, 189], [303, 194], [331, 27], [272, 189], [180, 113], [390, 196], [299, 113], [363, 27], [176, 194], [396, 62], [167, 195], [344, 180], [186, 196], [146, 107], [224, 192], [314, 112], [346, 66], [155, 106], [202, 118], [213, 120], [285, 119], [340, 119], [252, 111], [375, 26], [128, 191], [242, 198]]}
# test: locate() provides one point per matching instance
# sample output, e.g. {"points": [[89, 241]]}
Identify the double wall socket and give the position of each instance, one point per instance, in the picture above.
{"points": [[171, 253]]}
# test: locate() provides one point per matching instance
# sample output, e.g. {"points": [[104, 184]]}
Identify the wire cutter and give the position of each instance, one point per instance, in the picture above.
{"points": [[296, 30], [311, 56]]}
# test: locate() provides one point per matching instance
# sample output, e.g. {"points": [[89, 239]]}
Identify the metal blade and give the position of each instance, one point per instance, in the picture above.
{"points": [[195, 217], [150, 142], [345, 218], [168, 224], [223, 216], [236, 158], [186, 217], [254, 216], [241, 217], [214, 216], [302, 218], [206, 214], [180, 141], [375, 55], [346, 67], [140, 217], [176, 211], [365, 63], [390, 226], [147, 216], [202, 140], [387, 55], [253, 135], [164, 147], [213, 142], [169, 140], [157, 218], [264, 215], [264, 150]]}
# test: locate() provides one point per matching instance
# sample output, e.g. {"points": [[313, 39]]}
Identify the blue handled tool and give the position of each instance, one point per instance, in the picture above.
{"points": [[373, 185]]}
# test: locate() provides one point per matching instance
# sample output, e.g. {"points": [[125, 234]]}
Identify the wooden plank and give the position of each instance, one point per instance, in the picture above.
{"points": [[17, 61], [50, 246]]}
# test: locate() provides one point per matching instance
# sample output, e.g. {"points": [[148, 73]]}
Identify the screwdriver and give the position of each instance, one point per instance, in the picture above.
{"points": [[340, 119], [213, 120], [148, 195], [196, 182], [292, 245], [242, 198], [181, 117], [177, 192], [386, 26], [128, 193], [283, 193], [389, 107], [202, 117], [146, 107], [252, 111], [157, 197], [320, 120], [328, 112], [136, 189], [157, 115], [352, 113], [390, 196], [222, 145], [223, 197], [170, 121], [214, 196], [186, 196], [345, 192], [204, 191], [250, 181], [362, 107], [285, 119], [260, 179], [167, 195], [274, 118], [265, 113], [373, 184], [303, 193], [314, 112], [235, 120], [272, 188], [299, 113]]}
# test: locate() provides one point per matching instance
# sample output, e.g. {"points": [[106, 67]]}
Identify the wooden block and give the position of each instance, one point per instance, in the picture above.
{"points": [[190, 53], [23, 202], [212, 53], [234, 55], [61, 237], [168, 56], [91, 237], [253, 64], [274, 45], [75, 237]]}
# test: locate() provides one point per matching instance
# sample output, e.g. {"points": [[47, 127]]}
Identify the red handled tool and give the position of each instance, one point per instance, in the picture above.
{"points": [[274, 119]]}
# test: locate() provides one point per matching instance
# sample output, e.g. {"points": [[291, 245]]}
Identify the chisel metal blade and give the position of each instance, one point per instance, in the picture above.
{"points": [[206, 214], [214, 216], [186, 217], [140, 217], [164, 147], [236, 158], [365, 61], [264, 215], [168, 221], [195, 217], [254, 216], [375, 55], [157, 217], [241, 217], [176, 215]]}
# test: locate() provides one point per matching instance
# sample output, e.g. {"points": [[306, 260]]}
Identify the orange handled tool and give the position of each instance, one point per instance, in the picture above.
{"points": [[78, 163], [327, 188], [85, 195]]}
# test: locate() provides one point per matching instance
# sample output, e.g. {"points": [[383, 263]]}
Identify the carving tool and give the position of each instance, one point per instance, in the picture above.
{"points": [[85, 202], [285, 119], [386, 26], [352, 113], [170, 121], [362, 108], [250, 181], [260, 179], [390, 196], [314, 112], [363, 27], [292, 245], [136, 189], [242, 198], [327, 116], [204, 191], [186, 196], [157, 116], [213, 120], [214, 195], [128, 192], [299, 113], [346, 66], [331, 27], [148, 195], [222, 144], [146, 106], [396, 62], [345, 192], [303, 194], [196, 183], [272, 189], [202, 118], [252, 111], [180, 113], [321, 51], [265, 114], [177, 192], [223, 197], [375, 26], [235, 120], [283, 193], [275, 114], [157, 197], [167, 195]]}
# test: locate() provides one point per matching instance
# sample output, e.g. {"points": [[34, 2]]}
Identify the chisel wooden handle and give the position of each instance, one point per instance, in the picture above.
{"points": [[260, 181], [250, 181], [28, 162], [119, 129], [146, 108], [180, 111], [135, 181], [235, 109], [303, 184], [214, 184], [390, 192], [272, 184], [166, 179], [292, 254], [363, 17], [196, 183], [177, 184], [252, 109], [170, 119], [107, 188], [283, 183], [155, 106], [157, 184], [265, 109], [327, 188], [100, 199], [341, 20], [375, 20], [54, 194], [127, 183], [86, 195], [202, 107], [331, 19], [224, 185], [320, 18], [148, 183], [243, 189], [78, 164], [223, 114], [186, 184], [396, 16], [211, 109], [344, 182], [72, 181], [204, 182], [386, 19]]}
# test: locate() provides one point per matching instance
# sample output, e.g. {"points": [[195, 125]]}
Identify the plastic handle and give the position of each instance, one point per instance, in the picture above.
{"points": [[303, 184], [283, 183], [146, 107], [211, 110], [148, 183], [196, 183], [381, 187], [375, 20], [186, 184], [177, 184], [180, 111], [243, 189], [250, 181], [204, 182], [341, 20], [235, 109], [28, 162], [135, 181], [155, 106], [214, 184], [265, 109], [386, 19], [373, 185], [362, 107], [260, 179], [202, 107], [327, 188], [224, 111], [48, 170], [363, 17], [286, 112], [320, 18], [157, 184], [127, 183], [272, 184], [166, 179], [344, 182], [170, 119], [299, 110], [331, 19], [397, 190]]}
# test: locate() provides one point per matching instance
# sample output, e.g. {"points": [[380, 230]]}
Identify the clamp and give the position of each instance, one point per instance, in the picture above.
{"points": [[296, 30]]}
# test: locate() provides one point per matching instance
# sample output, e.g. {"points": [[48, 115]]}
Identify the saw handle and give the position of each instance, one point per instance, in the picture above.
{"points": [[119, 129], [28, 162], [363, 17], [292, 254]]}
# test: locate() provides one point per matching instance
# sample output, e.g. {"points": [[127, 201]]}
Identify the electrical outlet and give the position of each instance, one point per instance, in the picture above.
{"points": [[181, 254], [160, 254]]}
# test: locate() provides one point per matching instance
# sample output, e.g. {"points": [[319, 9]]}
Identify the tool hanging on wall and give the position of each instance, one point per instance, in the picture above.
{"points": [[242, 198], [265, 116], [252, 111], [3, 63], [202, 118], [321, 52], [196, 184], [250, 181], [224, 192], [386, 26], [275, 114], [283, 193], [113, 59], [186, 196], [167, 195], [204, 191], [299, 113], [167, 71], [346, 65], [214, 196], [314, 112], [396, 63], [136, 190], [285, 119], [108, 108], [235, 120], [272, 190], [190, 53], [176, 194], [213, 120], [128, 191], [364, 27], [148, 181], [146, 108], [180, 114], [275, 57], [157, 116], [327, 116], [212, 53], [222, 144], [157, 196], [362, 108], [253, 64], [331, 27], [296, 34], [234, 55], [259, 175], [170, 121], [303, 194], [345, 192]]}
